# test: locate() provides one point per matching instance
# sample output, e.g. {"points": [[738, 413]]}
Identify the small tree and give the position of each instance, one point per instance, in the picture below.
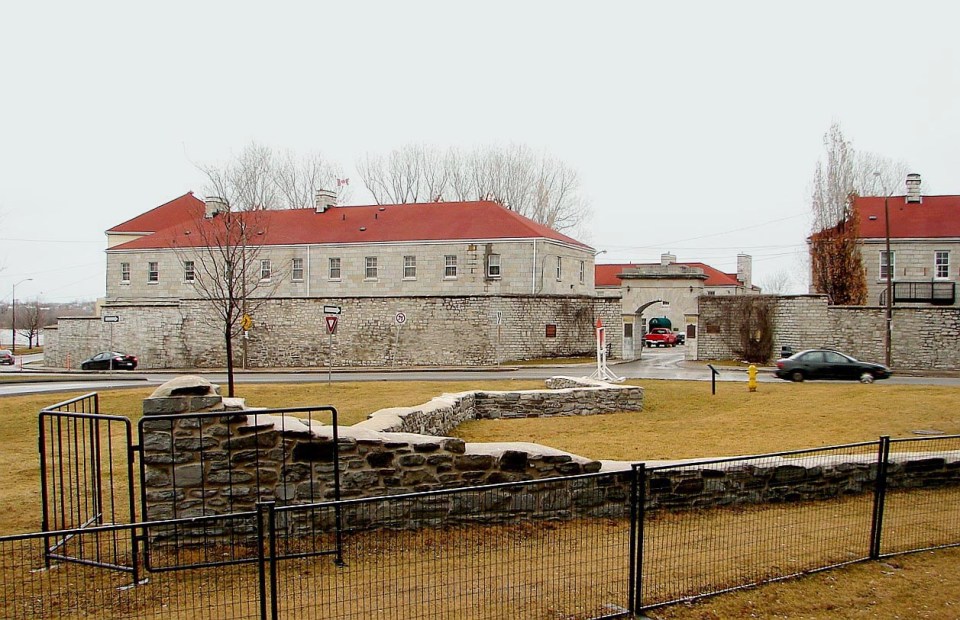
{"points": [[30, 320], [750, 334]]}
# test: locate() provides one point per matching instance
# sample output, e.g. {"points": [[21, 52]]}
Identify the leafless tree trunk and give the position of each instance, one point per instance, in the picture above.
{"points": [[836, 266], [535, 185], [30, 320]]}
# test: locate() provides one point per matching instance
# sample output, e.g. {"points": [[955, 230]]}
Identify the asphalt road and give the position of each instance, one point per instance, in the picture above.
{"points": [[666, 363]]}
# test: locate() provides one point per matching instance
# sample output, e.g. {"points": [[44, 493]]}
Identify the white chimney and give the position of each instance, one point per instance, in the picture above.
{"points": [[667, 259], [913, 188], [745, 269], [213, 205], [325, 199]]}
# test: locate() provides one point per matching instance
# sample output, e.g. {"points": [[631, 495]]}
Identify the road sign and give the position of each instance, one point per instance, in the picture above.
{"points": [[499, 317], [246, 322], [331, 320], [401, 318], [111, 319], [331, 309]]}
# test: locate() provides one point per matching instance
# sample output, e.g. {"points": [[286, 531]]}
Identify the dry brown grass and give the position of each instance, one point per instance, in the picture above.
{"points": [[681, 419]]}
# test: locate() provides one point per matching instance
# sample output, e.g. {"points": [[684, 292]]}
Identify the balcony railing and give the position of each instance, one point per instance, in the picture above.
{"points": [[936, 293]]}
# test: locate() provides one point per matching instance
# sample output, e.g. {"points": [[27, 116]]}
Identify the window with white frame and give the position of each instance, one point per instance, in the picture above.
{"points": [[153, 271], [493, 265], [370, 268], [888, 264], [265, 269], [559, 268], [334, 272], [450, 266], [125, 272], [583, 271], [296, 270], [189, 271], [409, 267], [941, 264]]}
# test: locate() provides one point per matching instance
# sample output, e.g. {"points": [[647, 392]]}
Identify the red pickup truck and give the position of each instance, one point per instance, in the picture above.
{"points": [[661, 337]]}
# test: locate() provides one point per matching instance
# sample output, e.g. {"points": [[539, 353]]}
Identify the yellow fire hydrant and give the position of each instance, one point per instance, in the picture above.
{"points": [[752, 378]]}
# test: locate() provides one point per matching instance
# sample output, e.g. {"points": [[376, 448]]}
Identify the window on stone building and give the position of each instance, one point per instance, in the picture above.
{"points": [[153, 271], [559, 268], [450, 266], [493, 265], [370, 271], [265, 269], [409, 267], [296, 270], [941, 264], [189, 271], [885, 264], [582, 271], [125, 273], [334, 273]]}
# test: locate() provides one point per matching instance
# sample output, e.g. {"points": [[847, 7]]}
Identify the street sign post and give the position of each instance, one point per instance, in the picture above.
{"points": [[400, 318], [331, 317], [331, 323]]}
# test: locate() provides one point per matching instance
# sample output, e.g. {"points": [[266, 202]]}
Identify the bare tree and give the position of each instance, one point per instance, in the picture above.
{"points": [[537, 186], [836, 266], [30, 320], [224, 246], [776, 283]]}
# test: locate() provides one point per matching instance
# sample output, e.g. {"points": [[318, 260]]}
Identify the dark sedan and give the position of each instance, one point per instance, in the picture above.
{"points": [[109, 360], [827, 364]]}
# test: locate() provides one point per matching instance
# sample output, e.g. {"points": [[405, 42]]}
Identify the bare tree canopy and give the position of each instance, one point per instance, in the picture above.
{"points": [[264, 178], [842, 175], [538, 186]]}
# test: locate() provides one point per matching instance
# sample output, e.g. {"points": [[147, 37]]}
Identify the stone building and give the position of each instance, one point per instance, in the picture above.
{"points": [[667, 289], [924, 234]]}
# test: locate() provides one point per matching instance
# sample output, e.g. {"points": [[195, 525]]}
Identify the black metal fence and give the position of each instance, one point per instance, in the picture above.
{"points": [[575, 547]]}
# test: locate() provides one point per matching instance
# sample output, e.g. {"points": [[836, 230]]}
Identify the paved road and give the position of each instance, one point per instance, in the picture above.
{"points": [[655, 364]]}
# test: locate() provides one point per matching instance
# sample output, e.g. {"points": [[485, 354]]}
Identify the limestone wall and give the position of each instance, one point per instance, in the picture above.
{"points": [[922, 338], [291, 332]]}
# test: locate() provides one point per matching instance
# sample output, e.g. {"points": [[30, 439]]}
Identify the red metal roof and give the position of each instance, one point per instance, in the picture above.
{"points": [[606, 275], [177, 210], [935, 217], [439, 221]]}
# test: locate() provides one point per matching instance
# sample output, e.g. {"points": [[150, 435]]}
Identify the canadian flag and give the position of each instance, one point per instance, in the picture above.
{"points": [[343, 182]]}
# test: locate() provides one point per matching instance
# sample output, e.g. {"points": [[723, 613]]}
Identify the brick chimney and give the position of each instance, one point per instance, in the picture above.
{"points": [[745, 269], [213, 205], [325, 199], [667, 259], [913, 189]]}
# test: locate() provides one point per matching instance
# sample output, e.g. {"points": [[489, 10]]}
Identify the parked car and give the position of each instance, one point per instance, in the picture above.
{"points": [[827, 364], [6, 357], [681, 337], [660, 337], [109, 360]]}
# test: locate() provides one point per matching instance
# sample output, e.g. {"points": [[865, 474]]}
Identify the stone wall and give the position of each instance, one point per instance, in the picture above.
{"points": [[291, 332], [922, 338]]}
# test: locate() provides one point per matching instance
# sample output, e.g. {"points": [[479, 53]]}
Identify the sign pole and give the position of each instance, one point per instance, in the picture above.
{"points": [[330, 359]]}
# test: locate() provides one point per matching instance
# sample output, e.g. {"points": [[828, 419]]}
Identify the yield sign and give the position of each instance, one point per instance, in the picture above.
{"points": [[331, 323]]}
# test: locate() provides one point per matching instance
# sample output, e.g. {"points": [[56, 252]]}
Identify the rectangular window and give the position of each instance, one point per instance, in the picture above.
{"points": [[941, 264], [153, 272], [551, 331], [409, 267], [265, 269], [450, 266], [124, 272], [334, 269], [189, 271], [885, 264], [296, 270], [370, 271], [628, 330], [493, 265], [559, 269], [582, 271]]}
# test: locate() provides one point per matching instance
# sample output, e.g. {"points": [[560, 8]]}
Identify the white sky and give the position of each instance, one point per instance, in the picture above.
{"points": [[695, 126]]}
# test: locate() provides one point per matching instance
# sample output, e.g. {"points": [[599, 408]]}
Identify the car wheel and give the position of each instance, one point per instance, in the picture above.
{"points": [[866, 378], [84, 367], [796, 375]]}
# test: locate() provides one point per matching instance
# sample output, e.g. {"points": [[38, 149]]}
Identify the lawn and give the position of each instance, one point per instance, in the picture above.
{"points": [[681, 419]]}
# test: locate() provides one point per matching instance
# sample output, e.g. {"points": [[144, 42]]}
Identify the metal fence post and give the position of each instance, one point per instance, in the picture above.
{"points": [[879, 496], [261, 558], [638, 486]]}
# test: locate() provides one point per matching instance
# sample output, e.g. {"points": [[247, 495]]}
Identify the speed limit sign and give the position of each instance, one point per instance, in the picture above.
{"points": [[401, 318]]}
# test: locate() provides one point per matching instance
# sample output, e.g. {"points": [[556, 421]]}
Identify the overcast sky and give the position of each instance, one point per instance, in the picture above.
{"points": [[695, 126]]}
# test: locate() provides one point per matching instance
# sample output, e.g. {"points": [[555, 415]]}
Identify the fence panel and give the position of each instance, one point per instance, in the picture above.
{"points": [[555, 548], [770, 517], [922, 507], [33, 590]]}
